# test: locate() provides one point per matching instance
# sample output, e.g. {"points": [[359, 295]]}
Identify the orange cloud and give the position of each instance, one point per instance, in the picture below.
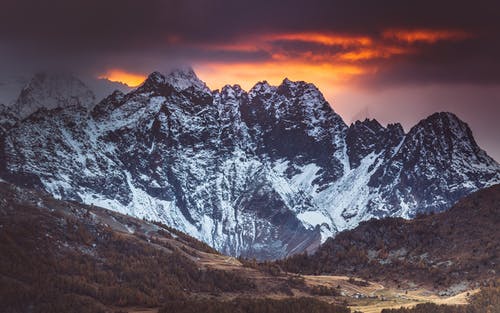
{"points": [[326, 39], [121, 76], [425, 35], [247, 74], [379, 52], [325, 67]]}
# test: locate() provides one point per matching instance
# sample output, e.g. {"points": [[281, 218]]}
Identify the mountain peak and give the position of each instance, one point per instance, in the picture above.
{"points": [[293, 84], [439, 117], [444, 124], [156, 77], [52, 90], [371, 124], [185, 78], [262, 87], [155, 81], [299, 89], [441, 141]]}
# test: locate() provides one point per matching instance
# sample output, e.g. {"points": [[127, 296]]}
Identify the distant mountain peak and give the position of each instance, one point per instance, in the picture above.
{"points": [[52, 90], [185, 78], [371, 124], [446, 126], [443, 120]]}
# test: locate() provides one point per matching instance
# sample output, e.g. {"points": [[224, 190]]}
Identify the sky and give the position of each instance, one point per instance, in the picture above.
{"points": [[396, 61]]}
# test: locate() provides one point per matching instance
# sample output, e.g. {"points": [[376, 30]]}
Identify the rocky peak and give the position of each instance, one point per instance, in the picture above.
{"points": [[53, 90], [396, 129], [446, 133], [185, 78], [262, 89], [231, 91], [371, 125], [365, 137], [443, 122], [298, 88], [154, 83]]}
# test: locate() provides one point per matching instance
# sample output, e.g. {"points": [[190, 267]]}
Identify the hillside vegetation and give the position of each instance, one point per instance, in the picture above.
{"points": [[458, 246], [59, 256]]}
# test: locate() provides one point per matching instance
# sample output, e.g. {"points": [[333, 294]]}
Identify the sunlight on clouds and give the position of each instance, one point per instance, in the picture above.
{"points": [[247, 74], [328, 60], [322, 38], [122, 76], [332, 60]]}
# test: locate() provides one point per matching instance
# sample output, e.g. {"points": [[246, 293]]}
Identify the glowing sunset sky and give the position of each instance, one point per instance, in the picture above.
{"points": [[390, 60]]}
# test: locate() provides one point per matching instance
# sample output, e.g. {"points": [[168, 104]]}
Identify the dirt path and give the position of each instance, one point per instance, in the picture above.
{"points": [[347, 287], [394, 299]]}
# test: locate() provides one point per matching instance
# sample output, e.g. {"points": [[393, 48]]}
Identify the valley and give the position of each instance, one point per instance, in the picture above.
{"points": [[94, 250], [222, 156]]}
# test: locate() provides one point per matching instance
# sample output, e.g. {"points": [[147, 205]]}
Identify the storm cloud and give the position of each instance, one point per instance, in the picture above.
{"points": [[360, 53], [143, 35]]}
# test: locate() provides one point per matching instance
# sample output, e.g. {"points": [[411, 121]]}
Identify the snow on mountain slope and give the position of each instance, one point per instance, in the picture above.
{"points": [[184, 79], [264, 174], [51, 91]]}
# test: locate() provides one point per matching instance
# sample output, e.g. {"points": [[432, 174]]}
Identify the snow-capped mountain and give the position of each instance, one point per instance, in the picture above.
{"points": [[265, 173], [50, 91]]}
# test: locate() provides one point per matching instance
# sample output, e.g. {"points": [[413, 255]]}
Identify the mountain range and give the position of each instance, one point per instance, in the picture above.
{"points": [[266, 173]]}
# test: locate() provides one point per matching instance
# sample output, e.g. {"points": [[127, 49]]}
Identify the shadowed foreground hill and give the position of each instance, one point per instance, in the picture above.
{"points": [[59, 256], [451, 249]]}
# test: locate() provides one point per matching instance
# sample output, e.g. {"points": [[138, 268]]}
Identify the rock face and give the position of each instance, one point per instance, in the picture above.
{"points": [[265, 173]]}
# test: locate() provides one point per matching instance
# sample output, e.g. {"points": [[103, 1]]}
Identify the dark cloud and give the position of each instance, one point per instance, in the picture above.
{"points": [[144, 35], [470, 61], [92, 36]]}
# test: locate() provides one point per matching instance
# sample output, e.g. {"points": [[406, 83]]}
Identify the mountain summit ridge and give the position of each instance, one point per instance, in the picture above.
{"points": [[264, 173]]}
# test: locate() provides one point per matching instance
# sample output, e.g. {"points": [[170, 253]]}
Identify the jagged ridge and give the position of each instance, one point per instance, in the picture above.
{"points": [[264, 173]]}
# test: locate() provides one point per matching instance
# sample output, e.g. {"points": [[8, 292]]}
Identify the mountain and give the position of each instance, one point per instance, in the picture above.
{"points": [[266, 173], [454, 250], [50, 91]]}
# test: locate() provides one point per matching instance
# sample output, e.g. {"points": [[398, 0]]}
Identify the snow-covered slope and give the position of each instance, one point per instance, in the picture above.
{"points": [[49, 91], [265, 173]]}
